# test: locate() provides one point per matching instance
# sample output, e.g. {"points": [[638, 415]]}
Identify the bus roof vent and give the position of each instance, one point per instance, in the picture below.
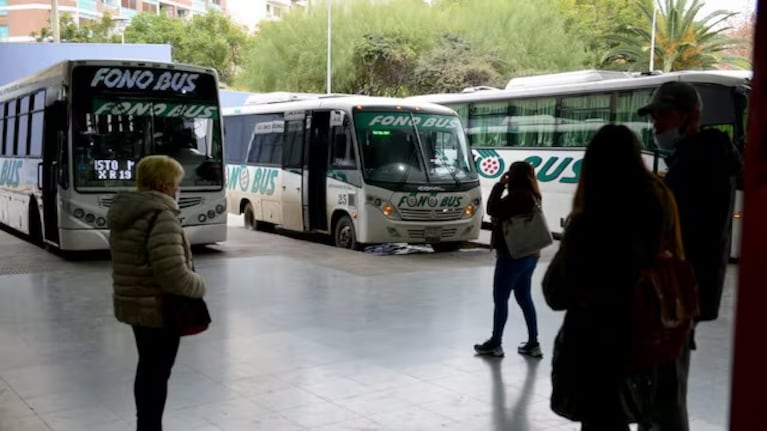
{"points": [[279, 96], [478, 88], [577, 77]]}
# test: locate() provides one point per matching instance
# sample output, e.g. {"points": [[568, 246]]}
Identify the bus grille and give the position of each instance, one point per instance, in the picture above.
{"points": [[184, 202], [421, 234], [447, 214]]}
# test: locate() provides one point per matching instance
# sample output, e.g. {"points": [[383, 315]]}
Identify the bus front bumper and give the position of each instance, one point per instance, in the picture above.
{"points": [[98, 239], [385, 230]]}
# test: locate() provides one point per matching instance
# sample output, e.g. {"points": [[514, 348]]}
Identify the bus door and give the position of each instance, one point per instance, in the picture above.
{"points": [[316, 171], [54, 151], [293, 171]]}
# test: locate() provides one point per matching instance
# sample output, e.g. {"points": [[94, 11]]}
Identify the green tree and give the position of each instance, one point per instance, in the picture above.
{"points": [[455, 64], [683, 39], [592, 21], [291, 55], [210, 40], [100, 31], [383, 64]]}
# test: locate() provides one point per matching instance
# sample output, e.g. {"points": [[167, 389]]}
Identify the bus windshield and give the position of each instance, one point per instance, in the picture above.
{"points": [[409, 147], [118, 119]]}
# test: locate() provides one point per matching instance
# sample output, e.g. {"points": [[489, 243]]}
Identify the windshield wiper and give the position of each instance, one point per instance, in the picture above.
{"points": [[443, 161]]}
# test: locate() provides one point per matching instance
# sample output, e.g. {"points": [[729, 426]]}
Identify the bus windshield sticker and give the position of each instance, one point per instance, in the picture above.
{"points": [[157, 109], [144, 79], [406, 120]]}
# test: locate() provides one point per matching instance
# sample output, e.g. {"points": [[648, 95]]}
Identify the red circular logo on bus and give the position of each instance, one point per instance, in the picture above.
{"points": [[490, 166], [244, 179]]}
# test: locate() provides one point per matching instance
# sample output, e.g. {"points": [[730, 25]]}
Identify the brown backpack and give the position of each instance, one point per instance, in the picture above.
{"points": [[665, 301]]}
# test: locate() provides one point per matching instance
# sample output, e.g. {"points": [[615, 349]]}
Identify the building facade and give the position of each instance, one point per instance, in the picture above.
{"points": [[20, 18], [250, 13]]}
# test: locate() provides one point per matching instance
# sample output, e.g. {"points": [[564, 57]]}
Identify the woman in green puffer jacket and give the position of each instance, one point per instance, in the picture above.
{"points": [[151, 257]]}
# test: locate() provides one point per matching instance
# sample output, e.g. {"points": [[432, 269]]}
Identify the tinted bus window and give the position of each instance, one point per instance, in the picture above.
{"points": [[10, 128], [22, 137]]}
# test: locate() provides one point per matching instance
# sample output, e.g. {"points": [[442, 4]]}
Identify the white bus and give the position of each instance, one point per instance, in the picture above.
{"points": [[548, 120], [71, 135], [363, 170]]}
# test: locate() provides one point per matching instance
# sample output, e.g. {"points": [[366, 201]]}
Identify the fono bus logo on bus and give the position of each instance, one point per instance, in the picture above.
{"points": [[144, 79], [257, 180]]}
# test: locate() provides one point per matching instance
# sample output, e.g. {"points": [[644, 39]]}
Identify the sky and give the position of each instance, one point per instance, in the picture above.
{"points": [[742, 6]]}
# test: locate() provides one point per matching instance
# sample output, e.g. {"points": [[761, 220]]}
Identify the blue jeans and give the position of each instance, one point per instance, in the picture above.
{"points": [[514, 274]]}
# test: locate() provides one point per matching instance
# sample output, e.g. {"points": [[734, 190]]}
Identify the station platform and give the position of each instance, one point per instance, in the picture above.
{"points": [[304, 337]]}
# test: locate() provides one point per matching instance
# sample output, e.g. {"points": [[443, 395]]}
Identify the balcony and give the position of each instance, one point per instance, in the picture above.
{"points": [[199, 6], [88, 5], [280, 3]]}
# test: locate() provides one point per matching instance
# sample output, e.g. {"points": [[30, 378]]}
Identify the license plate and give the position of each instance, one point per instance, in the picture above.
{"points": [[433, 234]]}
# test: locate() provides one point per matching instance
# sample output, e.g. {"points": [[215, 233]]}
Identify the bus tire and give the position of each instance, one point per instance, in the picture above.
{"points": [[344, 234], [35, 224], [249, 217]]}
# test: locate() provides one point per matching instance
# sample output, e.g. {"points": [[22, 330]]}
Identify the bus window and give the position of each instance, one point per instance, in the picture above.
{"points": [[36, 125], [23, 135], [488, 125], [580, 117], [293, 149], [2, 126], [236, 138], [533, 122], [266, 145], [10, 128], [342, 151], [36, 135], [627, 104], [463, 112]]}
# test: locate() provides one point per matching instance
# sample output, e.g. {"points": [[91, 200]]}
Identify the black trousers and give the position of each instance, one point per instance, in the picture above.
{"points": [[157, 348]]}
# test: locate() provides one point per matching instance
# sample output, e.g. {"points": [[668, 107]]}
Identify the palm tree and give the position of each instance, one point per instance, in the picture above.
{"points": [[682, 40]]}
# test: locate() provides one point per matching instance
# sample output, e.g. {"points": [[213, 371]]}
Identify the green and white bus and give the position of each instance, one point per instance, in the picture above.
{"points": [[71, 135], [363, 170], [548, 120]]}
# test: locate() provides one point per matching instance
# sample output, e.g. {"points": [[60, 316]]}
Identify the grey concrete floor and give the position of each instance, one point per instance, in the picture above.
{"points": [[304, 337]]}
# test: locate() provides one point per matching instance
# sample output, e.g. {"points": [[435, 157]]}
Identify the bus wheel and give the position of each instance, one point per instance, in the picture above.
{"points": [[35, 224], [250, 217], [344, 234]]}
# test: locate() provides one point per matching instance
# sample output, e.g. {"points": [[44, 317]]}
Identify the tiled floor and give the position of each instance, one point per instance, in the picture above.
{"points": [[301, 345]]}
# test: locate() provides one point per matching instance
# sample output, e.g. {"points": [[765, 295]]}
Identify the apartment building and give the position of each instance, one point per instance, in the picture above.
{"points": [[250, 13], [19, 18]]}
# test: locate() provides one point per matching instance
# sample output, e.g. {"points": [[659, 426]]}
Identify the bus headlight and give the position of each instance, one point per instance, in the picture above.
{"points": [[388, 210], [470, 210], [386, 207]]}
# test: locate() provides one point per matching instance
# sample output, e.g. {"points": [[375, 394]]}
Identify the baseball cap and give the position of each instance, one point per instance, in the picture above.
{"points": [[673, 95]]}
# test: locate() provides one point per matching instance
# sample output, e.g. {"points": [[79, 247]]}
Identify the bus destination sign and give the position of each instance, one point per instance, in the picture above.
{"points": [[144, 79]]}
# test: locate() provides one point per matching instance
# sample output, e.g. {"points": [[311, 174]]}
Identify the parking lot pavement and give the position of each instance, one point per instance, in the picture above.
{"points": [[304, 337]]}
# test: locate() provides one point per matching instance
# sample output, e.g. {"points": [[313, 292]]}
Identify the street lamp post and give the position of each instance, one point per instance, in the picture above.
{"points": [[330, 44], [55, 21], [652, 36]]}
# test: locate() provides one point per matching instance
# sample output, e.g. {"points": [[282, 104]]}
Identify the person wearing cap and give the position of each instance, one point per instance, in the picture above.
{"points": [[703, 165]]}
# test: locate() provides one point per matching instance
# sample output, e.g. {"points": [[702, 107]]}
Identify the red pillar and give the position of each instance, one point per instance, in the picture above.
{"points": [[749, 377]]}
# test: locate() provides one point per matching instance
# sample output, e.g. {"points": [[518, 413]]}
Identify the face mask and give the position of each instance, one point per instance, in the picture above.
{"points": [[667, 140]]}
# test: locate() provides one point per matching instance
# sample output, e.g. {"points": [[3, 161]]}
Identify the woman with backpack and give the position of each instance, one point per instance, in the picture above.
{"points": [[622, 217], [512, 274]]}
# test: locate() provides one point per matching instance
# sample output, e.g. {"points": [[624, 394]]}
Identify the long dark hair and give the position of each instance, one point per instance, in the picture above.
{"points": [[522, 177], [613, 176]]}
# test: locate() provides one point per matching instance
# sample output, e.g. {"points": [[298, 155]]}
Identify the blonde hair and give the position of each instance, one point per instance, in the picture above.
{"points": [[157, 172]]}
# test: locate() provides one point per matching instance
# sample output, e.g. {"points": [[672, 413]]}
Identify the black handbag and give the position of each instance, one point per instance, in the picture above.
{"points": [[183, 315]]}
